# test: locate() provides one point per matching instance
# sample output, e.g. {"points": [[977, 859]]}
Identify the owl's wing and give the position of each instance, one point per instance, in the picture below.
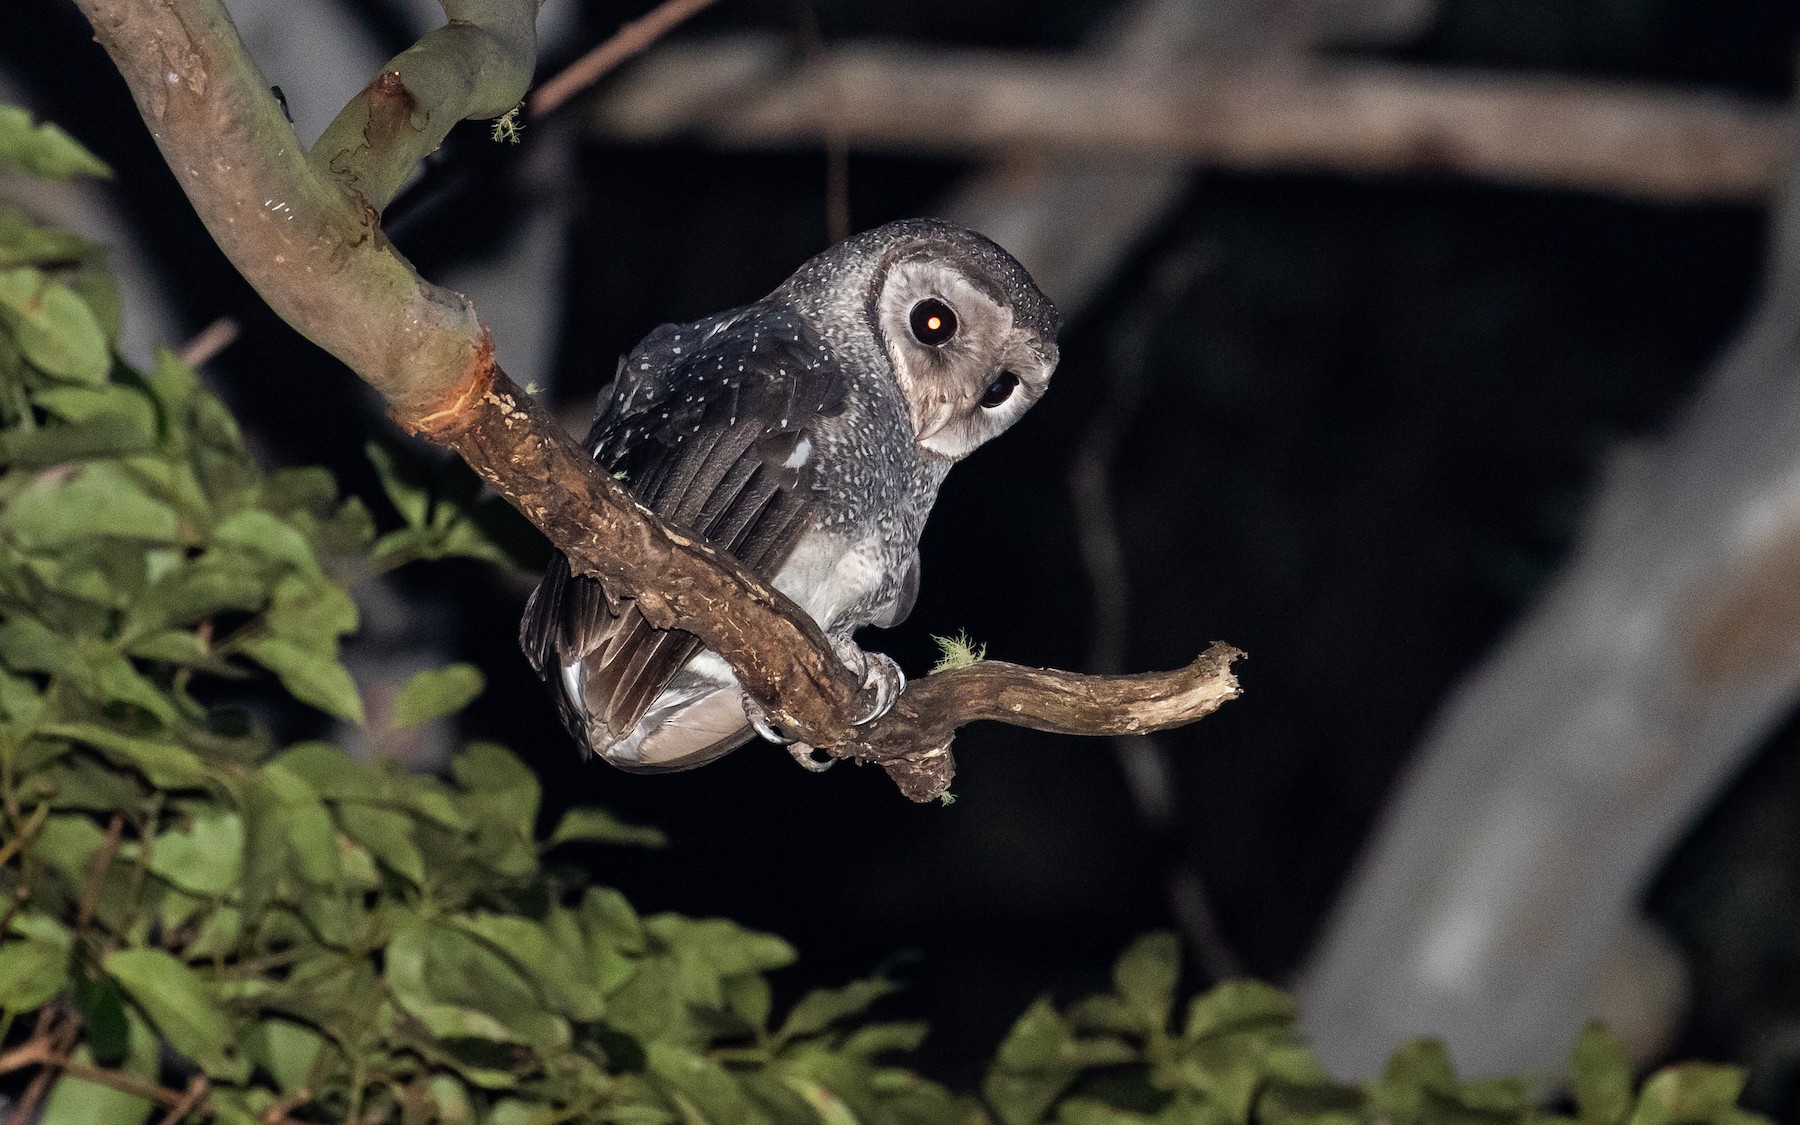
{"points": [[710, 424]]}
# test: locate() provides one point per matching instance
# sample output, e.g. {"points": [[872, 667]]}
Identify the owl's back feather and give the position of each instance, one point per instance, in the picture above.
{"points": [[711, 424]]}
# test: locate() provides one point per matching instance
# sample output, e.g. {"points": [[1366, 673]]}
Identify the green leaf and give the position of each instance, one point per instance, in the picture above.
{"points": [[1689, 1094], [404, 485], [819, 1009], [1145, 978], [389, 837], [565, 984], [53, 327], [260, 533], [598, 825], [286, 1050], [436, 692], [23, 242], [334, 775], [458, 986], [179, 1003], [75, 1101], [1600, 1076], [1239, 1005], [68, 844], [871, 1040], [102, 1007], [1083, 1111], [30, 973], [205, 856], [1031, 1068], [304, 620], [106, 421], [164, 764], [99, 499], [512, 1111], [43, 150], [500, 798], [705, 1085]]}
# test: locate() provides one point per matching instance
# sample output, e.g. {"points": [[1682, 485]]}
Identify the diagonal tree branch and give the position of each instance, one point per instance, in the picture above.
{"points": [[305, 232], [476, 66]]}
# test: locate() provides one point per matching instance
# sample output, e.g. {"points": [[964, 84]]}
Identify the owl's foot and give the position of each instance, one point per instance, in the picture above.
{"points": [[759, 721], [808, 759], [878, 672]]}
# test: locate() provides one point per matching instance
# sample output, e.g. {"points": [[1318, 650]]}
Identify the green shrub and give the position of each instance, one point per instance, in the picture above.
{"points": [[201, 924]]}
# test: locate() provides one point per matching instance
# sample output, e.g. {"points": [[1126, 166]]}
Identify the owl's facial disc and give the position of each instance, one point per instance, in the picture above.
{"points": [[967, 369]]}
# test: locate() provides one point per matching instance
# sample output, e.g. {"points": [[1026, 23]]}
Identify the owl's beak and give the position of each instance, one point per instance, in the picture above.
{"points": [[931, 419]]}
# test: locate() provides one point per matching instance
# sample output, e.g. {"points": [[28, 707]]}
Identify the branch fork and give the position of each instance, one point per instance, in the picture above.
{"points": [[303, 228]]}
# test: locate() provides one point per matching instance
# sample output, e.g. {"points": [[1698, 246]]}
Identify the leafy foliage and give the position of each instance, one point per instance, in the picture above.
{"points": [[199, 923]]}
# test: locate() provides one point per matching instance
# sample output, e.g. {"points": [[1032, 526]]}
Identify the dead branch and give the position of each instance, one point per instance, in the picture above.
{"points": [[1361, 118], [629, 40], [305, 232]]}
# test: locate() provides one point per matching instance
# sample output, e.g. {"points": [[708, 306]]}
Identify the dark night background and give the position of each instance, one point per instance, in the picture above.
{"points": [[1369, 419]]}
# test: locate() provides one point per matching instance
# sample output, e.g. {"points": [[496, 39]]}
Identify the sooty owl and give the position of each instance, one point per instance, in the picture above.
{"points": [[807, 434]]}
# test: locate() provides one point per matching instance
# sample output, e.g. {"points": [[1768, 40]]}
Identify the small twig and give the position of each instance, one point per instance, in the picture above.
{"points": [[196, 1093], [278, 1111], [212, 340], [57, 1030], [629, 40], [90, 891], [40, 1051]]}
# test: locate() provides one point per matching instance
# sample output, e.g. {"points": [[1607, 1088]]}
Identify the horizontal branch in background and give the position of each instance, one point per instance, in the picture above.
{"points": [[310, 242], [1606, 137]]}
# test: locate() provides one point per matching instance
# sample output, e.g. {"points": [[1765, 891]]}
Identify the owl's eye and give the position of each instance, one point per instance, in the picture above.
{"points": [[999, 390], [933, 322]]}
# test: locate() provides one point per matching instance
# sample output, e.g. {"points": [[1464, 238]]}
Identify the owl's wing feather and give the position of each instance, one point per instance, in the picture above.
{"points": [[704, 421]]}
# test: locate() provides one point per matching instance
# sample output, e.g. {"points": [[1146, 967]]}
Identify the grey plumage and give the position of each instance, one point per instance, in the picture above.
{"points": [[806, 433]]}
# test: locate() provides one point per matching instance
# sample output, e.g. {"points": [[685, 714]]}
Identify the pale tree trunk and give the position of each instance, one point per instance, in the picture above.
{"points": [[1564, 768]]}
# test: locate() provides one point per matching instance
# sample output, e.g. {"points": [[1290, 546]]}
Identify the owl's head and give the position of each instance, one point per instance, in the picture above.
{"points": [[971, 339]]}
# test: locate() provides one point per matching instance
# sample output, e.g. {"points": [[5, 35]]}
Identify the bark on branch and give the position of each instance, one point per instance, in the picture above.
{"points": [[305, 231]]}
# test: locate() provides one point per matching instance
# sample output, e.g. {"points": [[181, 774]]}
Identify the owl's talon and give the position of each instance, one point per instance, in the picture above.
{"points": [[759, 722], [878, 671], [804, 755], [882, 674]]}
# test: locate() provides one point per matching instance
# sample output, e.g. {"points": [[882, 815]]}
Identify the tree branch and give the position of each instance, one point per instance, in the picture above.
{"points": [[1362, 118], [629, 40], [306, 234], [476, 66]]}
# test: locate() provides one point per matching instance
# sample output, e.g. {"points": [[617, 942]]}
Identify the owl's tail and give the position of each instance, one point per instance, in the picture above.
{"points": [[576, 641]]}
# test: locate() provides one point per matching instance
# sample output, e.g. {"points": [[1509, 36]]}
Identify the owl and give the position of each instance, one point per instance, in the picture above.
{"points": [[807, 434]]}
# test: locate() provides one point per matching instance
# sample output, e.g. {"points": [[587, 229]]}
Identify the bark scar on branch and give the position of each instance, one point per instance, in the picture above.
{"points": [[307, 252]]}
